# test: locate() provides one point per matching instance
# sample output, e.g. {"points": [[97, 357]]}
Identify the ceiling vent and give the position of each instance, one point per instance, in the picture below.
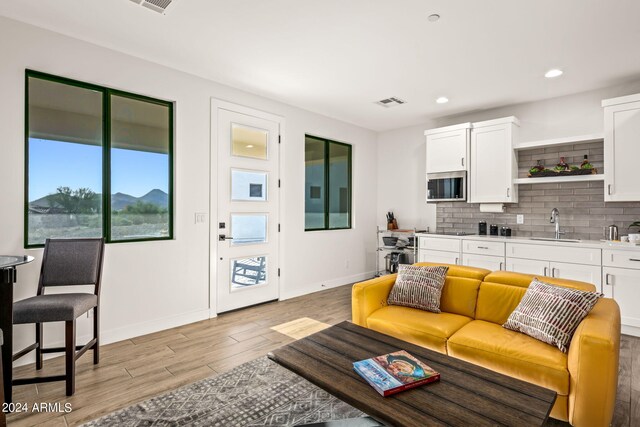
{"points": [[391, 102], [156, 5]]}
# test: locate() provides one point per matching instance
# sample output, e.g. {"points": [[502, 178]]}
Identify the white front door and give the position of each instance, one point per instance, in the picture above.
{"points": [[245, 234]]}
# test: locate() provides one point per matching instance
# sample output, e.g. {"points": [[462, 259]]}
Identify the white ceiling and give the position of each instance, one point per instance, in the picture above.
{"points": [[336, 57]]}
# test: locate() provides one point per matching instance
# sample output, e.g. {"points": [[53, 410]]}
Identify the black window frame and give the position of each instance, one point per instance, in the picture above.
{"points": [[106, 153], [327, 191]]}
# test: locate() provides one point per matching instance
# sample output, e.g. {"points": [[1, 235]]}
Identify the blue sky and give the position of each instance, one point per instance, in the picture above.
{"points": [[53, 164]]}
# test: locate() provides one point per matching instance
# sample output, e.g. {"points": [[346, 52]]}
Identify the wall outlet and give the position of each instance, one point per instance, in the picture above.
{"points": [[519, 219]]}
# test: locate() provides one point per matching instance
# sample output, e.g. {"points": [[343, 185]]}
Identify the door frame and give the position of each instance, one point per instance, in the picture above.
{"points": [[216, 105]]}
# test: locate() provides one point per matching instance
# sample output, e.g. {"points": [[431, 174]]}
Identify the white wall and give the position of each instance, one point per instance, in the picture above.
{"points": [[401, 152], [154, 285]]}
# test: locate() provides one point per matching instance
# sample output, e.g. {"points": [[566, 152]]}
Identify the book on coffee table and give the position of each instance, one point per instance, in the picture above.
{"points": [[394, 372]]}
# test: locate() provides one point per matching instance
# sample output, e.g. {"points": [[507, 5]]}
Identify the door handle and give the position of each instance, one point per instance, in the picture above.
{"points": [[508, 191], [462, 160], [546, 271], [222, 237], [634, 259], [501, 265], [607, 279], [609, 189], [553, 272]]}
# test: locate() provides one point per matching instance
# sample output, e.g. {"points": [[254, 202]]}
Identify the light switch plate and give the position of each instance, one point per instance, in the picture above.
{"points": [[519, 219], [200, 217]]}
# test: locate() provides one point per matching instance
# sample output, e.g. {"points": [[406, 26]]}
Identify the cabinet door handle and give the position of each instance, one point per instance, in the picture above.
{"points": [[508, 191], [501, 264], [553, 272], [634, 259], [486, 247], [462, 161], [546, 269], [607, 279], [456, 263], [609, 189]]}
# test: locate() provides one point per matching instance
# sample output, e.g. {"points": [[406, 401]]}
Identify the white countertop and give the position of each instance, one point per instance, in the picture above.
{"points": [[515, 239]]}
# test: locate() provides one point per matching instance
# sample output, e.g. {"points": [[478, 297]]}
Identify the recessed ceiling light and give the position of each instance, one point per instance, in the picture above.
{"points": [[442, 100], [553, 73], [434, 17], [249, 146]]}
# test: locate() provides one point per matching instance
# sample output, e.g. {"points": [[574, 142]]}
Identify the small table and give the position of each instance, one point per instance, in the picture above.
{"points": [[8, 276], [466, 394]]}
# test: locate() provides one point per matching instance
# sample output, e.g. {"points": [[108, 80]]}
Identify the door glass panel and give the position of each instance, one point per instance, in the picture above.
{"points": [[248, 185], [249, 142], [248, 272], [248, 229]]}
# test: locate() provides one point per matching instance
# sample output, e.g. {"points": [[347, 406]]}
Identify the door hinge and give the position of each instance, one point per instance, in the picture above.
{"points": [[278, 272]]}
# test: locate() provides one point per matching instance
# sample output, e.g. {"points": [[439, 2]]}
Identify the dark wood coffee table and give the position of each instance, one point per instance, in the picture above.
{"points": [[466, 395]]}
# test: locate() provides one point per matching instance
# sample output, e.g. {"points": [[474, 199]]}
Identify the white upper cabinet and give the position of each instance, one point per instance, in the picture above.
{"points": [[621, 148], [447, 148], [493, 164]]}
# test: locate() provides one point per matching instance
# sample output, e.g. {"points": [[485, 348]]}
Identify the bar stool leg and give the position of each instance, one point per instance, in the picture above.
{"points": [[70, 356], [39, 347]]}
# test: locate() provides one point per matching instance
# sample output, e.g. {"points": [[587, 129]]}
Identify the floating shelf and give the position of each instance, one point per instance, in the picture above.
{"points": [[555, 142], [552, 179]]}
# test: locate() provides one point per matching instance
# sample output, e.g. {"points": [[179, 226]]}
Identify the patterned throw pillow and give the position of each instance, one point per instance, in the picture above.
{"points": [[551, 313], [418, 287]]}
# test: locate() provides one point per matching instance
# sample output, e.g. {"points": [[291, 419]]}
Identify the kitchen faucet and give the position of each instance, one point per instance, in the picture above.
{"points": [[555, 219]]}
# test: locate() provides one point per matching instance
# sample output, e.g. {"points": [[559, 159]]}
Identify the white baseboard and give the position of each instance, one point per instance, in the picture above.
{"points": [[321, 286], [631, 330]]}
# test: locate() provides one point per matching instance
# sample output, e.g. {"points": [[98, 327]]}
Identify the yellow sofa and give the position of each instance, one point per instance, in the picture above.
{"points": [[475, 303]]}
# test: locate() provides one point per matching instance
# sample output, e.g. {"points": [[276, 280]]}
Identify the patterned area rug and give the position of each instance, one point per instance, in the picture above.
{"points": [[258, 393]]}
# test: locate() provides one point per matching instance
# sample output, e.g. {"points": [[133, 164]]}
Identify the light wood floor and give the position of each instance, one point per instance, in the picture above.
{"points": [[137, 369]]}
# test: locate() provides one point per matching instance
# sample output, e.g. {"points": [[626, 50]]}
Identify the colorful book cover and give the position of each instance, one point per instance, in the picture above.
{"points": [[395, 372]]}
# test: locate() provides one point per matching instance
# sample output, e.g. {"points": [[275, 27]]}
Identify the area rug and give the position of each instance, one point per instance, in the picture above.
{"points": [[257, 393]]}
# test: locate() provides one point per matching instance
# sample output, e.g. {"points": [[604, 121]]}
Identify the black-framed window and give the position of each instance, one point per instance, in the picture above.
{"points": [[327, 189], [98, 162]]}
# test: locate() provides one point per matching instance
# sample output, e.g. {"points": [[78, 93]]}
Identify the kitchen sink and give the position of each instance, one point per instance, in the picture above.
{"points": [[552, 239]]}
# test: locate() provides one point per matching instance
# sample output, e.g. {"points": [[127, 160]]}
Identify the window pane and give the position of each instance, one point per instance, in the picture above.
{"points": [[314, 194], [65, 161], [248, 272], [140, 165], [249, 142], [248, 185], [248, 229], [339, 185]]}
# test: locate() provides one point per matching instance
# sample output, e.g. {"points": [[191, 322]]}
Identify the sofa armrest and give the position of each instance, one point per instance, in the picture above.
{"points": [[369, 296], [593, 366]]}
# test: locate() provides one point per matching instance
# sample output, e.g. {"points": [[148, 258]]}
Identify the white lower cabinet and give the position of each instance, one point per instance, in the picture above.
{"points": [[581, 272], [528, 266], [623, 285], [428, 255], [488, 262]]}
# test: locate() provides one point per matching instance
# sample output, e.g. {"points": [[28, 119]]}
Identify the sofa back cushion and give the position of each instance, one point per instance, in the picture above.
{"points": [[501, 292], [460, 291]]}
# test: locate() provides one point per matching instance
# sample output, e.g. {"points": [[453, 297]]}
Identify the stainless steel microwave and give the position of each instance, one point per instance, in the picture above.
{"points": [[448, 186]]}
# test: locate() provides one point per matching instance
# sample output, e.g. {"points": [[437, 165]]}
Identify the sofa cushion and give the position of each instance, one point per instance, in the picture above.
{"points": [[423, 328], [551, 313], [511, 353], [418, 287], [460, 291], [501, 292]]}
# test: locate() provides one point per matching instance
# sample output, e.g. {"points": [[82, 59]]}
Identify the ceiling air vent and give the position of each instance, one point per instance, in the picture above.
{"points": [[391, 102], [156, 5]]}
